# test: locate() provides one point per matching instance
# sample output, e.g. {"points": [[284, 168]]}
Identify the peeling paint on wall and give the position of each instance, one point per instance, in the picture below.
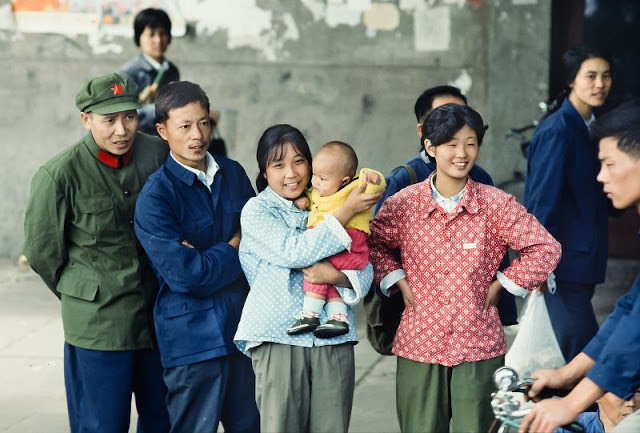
{"points": [[346, 12], [463, 81], [382, 16], [432, 29], [248, 25], [459, 3], [316, 7]]}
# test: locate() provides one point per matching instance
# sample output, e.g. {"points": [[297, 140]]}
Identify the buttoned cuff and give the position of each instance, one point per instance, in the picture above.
{"points": [[391, 278], [511, 287], [337, 229]]}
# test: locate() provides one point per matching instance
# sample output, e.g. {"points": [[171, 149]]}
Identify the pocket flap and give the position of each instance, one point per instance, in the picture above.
{"points": [[85, 290], [186, 305], [94, 205]]}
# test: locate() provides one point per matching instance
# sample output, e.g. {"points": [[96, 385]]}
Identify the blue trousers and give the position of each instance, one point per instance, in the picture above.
{"points": [[203, 394], [507, 309], [572, 316], [99, 385]]}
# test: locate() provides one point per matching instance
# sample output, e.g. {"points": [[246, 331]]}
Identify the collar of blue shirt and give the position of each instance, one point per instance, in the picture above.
{"points": [[205, 177]]}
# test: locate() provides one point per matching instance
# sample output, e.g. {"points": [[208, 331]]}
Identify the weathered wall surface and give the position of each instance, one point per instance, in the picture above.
{"points": [[337, 69]]}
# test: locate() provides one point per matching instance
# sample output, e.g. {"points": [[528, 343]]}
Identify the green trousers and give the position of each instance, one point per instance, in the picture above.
{"points": [[304, 389], [431, 396]]}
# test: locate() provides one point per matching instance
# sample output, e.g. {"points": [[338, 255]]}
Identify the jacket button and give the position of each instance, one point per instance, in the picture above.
{"points": [[127, 193]]}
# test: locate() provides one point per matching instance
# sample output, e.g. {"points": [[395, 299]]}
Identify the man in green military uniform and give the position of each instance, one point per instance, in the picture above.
{"points": [[79, 238]]}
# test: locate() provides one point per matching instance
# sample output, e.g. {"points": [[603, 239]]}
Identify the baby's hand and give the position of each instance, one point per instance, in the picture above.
{"points": [[302, 202], [371, 177]]}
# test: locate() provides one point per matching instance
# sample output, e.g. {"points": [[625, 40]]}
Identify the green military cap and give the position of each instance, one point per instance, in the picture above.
{"points": [[108, 94]]}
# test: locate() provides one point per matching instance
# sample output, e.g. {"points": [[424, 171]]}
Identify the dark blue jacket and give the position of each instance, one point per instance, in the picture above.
{"points": [[202, 289], [616, 347], [562, 192], [143, 74]]}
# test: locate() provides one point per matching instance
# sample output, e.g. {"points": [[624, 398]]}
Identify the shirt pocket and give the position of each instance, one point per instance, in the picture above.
{"points": [[94, 215], [188, 326], [78, 288], [200, 234], [187, 306]]}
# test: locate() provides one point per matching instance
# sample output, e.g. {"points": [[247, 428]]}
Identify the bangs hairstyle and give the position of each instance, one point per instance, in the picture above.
{"points": [[573, 58], [152, 18], [445, 121], [271, 147], [623, 124], [177, 94]]}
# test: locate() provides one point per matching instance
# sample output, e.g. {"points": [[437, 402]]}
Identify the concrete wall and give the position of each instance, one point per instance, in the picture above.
{"points": [[337, 69]]}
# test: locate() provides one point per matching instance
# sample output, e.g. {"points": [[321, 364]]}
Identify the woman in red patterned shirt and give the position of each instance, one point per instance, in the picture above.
{"points": [[452, 234]]}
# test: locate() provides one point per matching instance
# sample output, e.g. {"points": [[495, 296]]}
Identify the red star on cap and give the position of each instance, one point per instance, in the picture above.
{"points": [[116, 89]]}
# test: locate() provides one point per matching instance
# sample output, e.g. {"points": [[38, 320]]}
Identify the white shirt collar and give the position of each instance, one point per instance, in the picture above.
{"points": [[205, 178], [288, 203], [423, 156], [156, 65], [448, 204]]}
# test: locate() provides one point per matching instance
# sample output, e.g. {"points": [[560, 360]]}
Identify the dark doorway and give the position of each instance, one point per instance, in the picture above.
{"points": [[609, 25], [612, 26]]}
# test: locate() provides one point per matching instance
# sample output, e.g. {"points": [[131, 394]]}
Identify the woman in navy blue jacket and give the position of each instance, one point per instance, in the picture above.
{"points": [[562, 192]]}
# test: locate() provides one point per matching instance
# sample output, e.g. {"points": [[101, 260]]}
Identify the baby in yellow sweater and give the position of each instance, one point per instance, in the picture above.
{"points": [[334, 177]]}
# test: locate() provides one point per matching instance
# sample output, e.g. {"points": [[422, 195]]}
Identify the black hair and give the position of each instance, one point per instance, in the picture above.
{"points": [[152, 18], [572, 60], [271, 147], [424, 103], [349, 160], [445, 121], [177, 94], [623, 124]]}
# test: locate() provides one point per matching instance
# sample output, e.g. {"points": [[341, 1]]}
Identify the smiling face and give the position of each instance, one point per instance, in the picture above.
{"points": [[113, 132], [287, 172], [154, 42], [329, 171], [454, 159], [591, 86], [187, 130], [619, 174]]}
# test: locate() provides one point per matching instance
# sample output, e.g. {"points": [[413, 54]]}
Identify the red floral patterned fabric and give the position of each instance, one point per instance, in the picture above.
{"points": [[450, 260]]}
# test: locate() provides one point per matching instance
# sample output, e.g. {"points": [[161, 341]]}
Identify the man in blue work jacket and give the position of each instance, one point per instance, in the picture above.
{"points": [[188, 221], [611, 360]]}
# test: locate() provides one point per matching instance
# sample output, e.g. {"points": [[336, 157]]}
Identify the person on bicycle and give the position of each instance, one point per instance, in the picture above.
{"points": [[609, 362]]}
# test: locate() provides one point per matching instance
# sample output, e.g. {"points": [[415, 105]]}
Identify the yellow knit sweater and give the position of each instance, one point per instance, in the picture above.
{"points": [[321, 206]]}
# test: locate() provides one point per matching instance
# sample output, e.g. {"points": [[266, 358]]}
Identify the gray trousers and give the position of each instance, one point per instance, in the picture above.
{"points": [[304, 389]]}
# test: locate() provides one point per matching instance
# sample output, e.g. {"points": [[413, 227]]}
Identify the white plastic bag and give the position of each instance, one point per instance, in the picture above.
{"points": [[535, 345]]}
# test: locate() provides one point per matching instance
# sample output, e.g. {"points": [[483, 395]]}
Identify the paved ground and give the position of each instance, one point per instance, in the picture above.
{"points": [[32, 396]]}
